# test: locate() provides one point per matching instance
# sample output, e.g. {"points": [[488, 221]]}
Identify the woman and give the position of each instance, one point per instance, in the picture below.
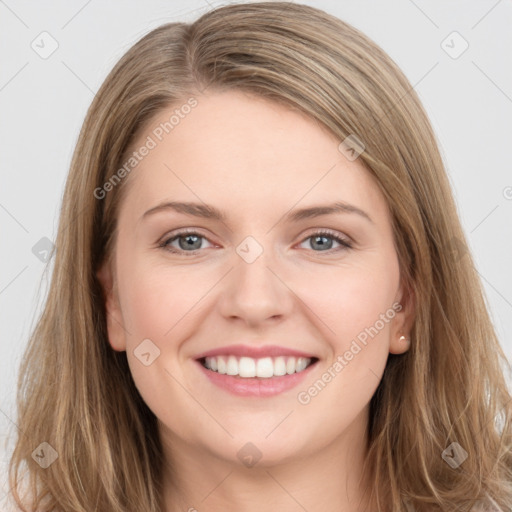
{"points": [[262, 297]]}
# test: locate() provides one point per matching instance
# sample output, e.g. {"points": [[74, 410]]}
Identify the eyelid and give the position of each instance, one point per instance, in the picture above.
{"points": [[328, 231]]}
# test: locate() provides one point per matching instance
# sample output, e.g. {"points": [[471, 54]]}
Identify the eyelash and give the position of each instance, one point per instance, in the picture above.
{"points": [[345, 244]]}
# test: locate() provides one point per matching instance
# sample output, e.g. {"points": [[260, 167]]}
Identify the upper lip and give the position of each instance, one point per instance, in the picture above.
{"points": [[255, 352]]}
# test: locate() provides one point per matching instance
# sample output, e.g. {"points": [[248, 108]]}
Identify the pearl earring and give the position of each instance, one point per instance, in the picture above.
{"points": [[403, 338]]}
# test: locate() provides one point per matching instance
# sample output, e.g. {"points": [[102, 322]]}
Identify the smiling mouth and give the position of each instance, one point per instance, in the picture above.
{"points": [[265, 368]]}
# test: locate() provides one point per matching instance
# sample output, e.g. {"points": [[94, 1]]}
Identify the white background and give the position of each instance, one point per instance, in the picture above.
{"points": [[43, 103]]}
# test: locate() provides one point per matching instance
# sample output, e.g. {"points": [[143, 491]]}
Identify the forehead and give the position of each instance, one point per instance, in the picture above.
{"points": [[241, 150]]}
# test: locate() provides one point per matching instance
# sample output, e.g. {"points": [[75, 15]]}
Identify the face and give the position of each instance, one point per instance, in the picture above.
{"points": [[291, 303]]}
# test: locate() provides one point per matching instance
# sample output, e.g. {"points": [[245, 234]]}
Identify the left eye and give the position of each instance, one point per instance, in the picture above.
{"points": [[323, 241], [191, 242]]}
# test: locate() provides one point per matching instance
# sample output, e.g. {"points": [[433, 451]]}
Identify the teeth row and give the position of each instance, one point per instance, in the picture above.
{"points": [[248, 367]]}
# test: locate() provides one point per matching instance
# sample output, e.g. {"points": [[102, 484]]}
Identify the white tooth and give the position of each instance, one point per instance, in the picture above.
{"points": [[221, 365], [232, 366], [265, 367], [290, 365], [247, 367], [302, 362], [279, 366]]}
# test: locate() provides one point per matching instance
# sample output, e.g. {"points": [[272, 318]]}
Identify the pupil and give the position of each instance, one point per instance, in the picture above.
{"points": [[189, 243], [325, 242]]}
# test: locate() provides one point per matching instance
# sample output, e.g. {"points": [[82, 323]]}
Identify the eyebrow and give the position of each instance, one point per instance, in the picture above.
{"points": [[210, 212]]}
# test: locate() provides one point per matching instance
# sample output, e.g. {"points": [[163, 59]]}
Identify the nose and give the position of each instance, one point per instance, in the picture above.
{"points": [[255, 293]]}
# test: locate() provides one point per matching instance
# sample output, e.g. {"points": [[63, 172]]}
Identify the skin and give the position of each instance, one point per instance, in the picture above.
{"points": [[255, 160]]}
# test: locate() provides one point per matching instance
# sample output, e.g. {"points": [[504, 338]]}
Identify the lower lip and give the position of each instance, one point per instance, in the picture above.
{"points": [[254, 386]]}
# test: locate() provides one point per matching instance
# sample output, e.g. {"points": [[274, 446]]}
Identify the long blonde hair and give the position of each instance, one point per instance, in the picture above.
{"points": [[76, 393]]}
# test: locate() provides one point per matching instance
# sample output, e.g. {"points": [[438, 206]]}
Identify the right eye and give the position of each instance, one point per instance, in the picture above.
{"points": [[188, 242]]}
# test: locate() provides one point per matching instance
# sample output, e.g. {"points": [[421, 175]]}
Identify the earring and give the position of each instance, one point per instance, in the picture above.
{"points": [[403, 338]]}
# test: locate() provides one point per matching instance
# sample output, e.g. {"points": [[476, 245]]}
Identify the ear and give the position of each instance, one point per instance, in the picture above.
{"points": [[403, 321], [114, 319]]}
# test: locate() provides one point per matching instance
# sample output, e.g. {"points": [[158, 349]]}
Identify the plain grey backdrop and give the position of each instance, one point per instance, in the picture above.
{"points": [[56, 54]]}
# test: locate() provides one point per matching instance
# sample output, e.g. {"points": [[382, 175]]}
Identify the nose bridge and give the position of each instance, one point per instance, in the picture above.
{"points": [[253, 291]]}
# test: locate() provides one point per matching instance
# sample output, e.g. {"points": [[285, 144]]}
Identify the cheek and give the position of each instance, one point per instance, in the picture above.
{"points": [[159, 306], [349, 300], [355, 307], [158, 299]]}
